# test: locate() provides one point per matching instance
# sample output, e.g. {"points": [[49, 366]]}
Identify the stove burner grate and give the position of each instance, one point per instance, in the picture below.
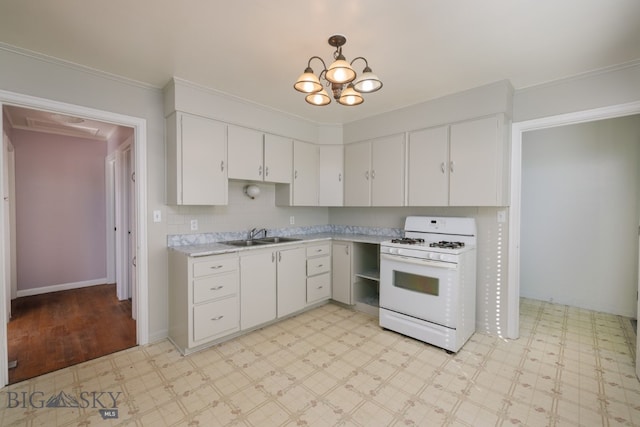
{"points": [[407, 241], [447, 245]]}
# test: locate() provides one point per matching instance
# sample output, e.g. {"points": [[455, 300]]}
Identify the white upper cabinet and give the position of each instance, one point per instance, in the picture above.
{"points": [[357, 171], [278, 158], [245, 154], [463, 164], [478, 162], [305, 174], [428, 164], [196, 160], [387, 171], [331, 175], [374, 172], [256, 156]]}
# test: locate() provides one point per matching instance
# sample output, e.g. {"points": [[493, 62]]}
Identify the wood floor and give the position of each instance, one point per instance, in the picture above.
{"points": [[51, 331]]}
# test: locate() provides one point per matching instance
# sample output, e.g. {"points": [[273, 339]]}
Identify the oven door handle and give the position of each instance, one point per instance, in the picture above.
{"points": [[419, 261]]}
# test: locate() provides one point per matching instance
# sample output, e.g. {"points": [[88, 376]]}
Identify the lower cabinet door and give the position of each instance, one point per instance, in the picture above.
{"points": [[318, 288], [216, 318]]}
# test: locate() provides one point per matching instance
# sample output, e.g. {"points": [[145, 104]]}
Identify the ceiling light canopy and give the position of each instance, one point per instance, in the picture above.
{"points": [[347, 87]]}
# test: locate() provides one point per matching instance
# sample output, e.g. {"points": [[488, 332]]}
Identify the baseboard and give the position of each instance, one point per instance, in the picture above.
{"points": [[61, 287]]}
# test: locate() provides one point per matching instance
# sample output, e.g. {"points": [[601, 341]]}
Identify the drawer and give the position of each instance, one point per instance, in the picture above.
{"points": [[214, 265], [318, 265], [216, 286], [317, 250], [318, 288], [216, 318]]}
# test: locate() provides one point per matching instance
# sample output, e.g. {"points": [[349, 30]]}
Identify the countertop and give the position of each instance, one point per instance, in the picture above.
{"points": [[220, 248]]}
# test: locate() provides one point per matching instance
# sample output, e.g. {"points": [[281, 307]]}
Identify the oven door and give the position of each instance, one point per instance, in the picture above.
{"points": [[424, 289]]}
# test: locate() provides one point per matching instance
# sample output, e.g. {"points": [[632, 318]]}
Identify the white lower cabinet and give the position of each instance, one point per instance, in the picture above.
{"points": [[291, 289], [341, 267], [204, 302], [318, 272], [257, 288]]}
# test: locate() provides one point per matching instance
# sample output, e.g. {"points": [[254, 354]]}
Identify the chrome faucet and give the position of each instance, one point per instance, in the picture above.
{"points": [[255, 232]]}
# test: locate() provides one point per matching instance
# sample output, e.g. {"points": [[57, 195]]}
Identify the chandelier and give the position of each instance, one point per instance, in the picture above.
{"points": [[346, 86]]}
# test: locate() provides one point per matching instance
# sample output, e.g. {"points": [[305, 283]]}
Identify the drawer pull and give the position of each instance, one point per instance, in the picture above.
{"points": [[215, 267], [320, 287], [320, 265], [217, 318], [217, 288], [318, 250]]}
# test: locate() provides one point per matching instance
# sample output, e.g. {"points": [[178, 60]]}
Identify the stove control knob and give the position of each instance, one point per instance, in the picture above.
{"points": [[435, 256], [394, 250]]}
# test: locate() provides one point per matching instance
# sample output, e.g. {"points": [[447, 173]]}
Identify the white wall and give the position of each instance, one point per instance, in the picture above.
{"points": [[580, 196]]}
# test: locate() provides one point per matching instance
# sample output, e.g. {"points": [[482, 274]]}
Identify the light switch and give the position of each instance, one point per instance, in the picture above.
{"points": [[157, 216], [502, 216]]}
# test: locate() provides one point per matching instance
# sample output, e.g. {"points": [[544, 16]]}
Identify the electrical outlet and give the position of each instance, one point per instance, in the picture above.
{"points": [[292, 220], [502, 216], [194, 224], [157, 216]]}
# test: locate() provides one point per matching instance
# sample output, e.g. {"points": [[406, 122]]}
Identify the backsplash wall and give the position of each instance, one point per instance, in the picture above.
{"points": [[243, 213]]}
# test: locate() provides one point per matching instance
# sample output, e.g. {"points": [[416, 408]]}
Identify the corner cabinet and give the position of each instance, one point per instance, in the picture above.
{"points": [[464, 164], [303, 190], [204, 299], [374, 172], [196, 150]]}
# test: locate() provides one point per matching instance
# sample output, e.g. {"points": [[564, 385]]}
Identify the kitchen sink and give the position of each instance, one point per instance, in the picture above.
{"points": [[245, 243], [278, 239], [257, 242]]}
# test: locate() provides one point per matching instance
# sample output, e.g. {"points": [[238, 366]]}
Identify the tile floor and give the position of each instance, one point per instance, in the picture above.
{"points": [[336, 367]]}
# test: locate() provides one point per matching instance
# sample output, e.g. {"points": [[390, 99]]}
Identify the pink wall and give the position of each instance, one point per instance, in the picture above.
{"points": [[60, 209]]}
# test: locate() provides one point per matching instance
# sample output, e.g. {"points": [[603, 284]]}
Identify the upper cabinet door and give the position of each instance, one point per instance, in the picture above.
{"points": [[305, 174], [477, 163], [196, 159], [428, 159], [387, 171], [331, 175], [357, 171], [245, 154], [278, 159]]}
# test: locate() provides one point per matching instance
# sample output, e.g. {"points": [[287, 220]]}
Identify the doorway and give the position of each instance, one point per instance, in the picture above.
{"points": [[61, 234], [518, 128], [140, 293]]}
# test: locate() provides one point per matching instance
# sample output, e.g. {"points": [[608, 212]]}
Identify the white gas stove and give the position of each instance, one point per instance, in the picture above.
{"points": [[427, 281]]}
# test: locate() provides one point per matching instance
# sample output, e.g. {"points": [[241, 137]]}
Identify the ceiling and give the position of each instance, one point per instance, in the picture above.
{"points": [[421, 49]]}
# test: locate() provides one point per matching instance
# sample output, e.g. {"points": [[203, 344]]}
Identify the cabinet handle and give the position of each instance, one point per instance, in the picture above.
{"points": [[295, 175], [346, 249], [266, 171], [273, 257], [260, 171], [451, 165], [217, 288], [366, 175], [320, 287], [339, 177], [442, 167], [217, 318], [222, 166], [373, 174], [320, 265], [318, 250], [279, 256], [215, 267]]}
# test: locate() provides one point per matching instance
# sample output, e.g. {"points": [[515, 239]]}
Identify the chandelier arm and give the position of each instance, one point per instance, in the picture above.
{"points": [[324, 66], [366, 64]]}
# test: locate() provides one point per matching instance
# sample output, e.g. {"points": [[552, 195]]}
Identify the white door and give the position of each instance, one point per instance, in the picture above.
{"points": [[8, 197]]}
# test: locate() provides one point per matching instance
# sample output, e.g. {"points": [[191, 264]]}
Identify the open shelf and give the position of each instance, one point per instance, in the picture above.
{"points": [[371, 275]]}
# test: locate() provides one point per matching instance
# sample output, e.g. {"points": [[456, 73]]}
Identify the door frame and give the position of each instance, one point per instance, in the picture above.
{"points": [[517, 129], [139, 126]]}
